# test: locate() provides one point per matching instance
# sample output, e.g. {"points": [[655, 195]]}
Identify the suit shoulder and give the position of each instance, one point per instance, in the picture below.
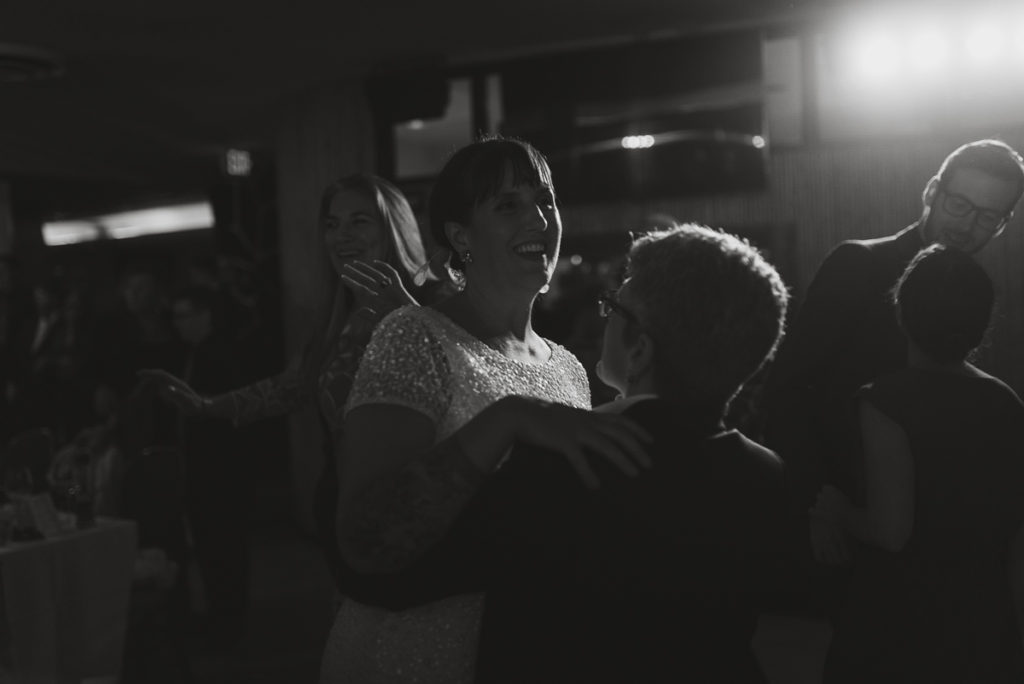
{"points": [[851, 251]]}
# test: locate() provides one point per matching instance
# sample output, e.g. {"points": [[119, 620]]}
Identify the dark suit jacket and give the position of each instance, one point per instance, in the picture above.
{"points": [[846, 334], [648, 579]]}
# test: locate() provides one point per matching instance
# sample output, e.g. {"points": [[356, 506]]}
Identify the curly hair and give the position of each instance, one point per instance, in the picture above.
{"points": [[712, 304]]}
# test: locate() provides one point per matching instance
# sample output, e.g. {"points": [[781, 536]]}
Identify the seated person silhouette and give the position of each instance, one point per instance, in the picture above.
{"points": [[648, 576]]}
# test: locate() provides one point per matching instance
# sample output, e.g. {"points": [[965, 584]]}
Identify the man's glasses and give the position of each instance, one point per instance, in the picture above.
{"points": [[959, 206], [607, 304]]}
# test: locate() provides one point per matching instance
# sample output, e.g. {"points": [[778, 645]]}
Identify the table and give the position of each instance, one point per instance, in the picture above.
{"points": [[64, 604]]}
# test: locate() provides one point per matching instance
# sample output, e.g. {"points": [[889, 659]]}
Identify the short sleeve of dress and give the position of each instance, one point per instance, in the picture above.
{"points": [[404, 364]]}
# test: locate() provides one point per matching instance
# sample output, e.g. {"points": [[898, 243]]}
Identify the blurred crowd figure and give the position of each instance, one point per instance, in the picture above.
{"points": [[70, 353]]}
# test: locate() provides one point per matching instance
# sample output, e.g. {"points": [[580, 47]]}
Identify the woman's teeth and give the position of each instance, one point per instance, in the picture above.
{"points": [[531, 248]]}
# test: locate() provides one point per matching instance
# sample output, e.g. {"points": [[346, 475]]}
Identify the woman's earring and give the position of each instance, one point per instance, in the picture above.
{"points": [[467, 258]]}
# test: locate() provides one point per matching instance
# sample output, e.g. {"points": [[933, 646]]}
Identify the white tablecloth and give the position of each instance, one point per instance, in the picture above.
{"points": [[64, 604]]}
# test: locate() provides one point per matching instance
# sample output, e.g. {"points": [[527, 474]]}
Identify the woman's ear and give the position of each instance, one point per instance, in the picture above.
{"points": [[457, 236]]}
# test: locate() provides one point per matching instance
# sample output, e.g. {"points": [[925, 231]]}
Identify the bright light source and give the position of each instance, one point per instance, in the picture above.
{"points": [[638, 142], [238, 163], [928, 51], [757, 141], [415, 125], [69, 232], [170, 219], [984, 43], [575, 260], [875, 56]]}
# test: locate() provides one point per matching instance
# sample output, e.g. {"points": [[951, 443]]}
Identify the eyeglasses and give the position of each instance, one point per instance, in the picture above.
{"points": [[959, 206], [608, 304]]}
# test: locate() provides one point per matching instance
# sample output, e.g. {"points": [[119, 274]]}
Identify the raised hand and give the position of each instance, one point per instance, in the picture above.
{"points": [[174, 390], [381, 282]]}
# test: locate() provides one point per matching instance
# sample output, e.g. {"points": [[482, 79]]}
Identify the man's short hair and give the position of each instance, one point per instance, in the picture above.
{"points": [[993, 157], [714, 307]]}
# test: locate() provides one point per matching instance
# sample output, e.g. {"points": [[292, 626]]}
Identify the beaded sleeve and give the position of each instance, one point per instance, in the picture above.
{"points": [[404, 365]]}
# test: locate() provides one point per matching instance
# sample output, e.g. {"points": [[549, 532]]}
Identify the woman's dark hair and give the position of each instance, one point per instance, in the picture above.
{"points": [[944, 301], [476, 172]]}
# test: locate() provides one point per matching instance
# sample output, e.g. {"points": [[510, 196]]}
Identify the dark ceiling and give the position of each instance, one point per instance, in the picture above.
{"points": [[152, 92]]}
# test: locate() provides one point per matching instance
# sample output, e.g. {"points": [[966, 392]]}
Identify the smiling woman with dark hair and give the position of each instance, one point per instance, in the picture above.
{"points": [[445, 384], [937, 593]]}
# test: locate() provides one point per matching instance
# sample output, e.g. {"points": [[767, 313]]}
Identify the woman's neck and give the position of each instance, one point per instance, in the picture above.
{"points": [[502, 323], [917, 358], [492, 315]]}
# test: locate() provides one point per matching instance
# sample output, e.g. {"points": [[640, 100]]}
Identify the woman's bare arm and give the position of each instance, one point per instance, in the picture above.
{"points": [[887, 519]]}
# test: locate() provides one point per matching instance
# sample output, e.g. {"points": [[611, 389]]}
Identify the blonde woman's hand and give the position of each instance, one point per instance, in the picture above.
{"points": [[381, 282], [174, 390]]}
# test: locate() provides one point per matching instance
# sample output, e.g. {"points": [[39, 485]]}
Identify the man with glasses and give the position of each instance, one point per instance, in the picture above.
{"points": [[847, 334]]}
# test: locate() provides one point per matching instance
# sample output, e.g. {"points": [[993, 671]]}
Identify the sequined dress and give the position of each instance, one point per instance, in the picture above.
{"points": [[420, 359]]}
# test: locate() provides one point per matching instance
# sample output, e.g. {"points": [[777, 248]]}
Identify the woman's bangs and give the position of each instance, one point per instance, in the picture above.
{"points": [[526, 165]]}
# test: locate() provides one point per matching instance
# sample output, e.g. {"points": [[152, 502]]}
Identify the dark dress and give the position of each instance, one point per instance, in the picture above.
{"points": [[941, 609]]}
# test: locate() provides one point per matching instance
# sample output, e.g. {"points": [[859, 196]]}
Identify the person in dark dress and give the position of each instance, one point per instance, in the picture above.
{"points": [[846, 333], [591, 574], [938, 590]]}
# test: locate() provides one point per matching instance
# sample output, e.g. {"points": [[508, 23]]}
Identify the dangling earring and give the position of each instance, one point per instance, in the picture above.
{"points": [[467, 258]]}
